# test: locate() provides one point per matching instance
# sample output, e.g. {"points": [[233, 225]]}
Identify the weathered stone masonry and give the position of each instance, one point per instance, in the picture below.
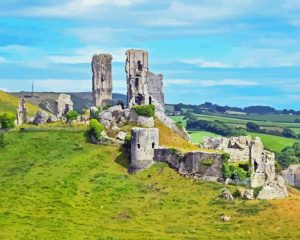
{"points": [[143, 87], [102, 79]]}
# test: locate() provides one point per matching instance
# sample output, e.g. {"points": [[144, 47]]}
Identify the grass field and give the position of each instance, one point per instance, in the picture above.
{"points": [[271, 142], [9, 103], [274, 143], [55, 185], [197, 136]]}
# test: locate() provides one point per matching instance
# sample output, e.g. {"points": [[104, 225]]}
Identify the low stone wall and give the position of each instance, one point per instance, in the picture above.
{"points": [[199, 164]]}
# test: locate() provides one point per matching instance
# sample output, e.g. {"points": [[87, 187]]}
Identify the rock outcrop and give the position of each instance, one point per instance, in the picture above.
{"points": [[117, 116], [292, 175], [226, 194], [273, 189], [21, 115], [41, 117], [63, 105], [102, 79]]}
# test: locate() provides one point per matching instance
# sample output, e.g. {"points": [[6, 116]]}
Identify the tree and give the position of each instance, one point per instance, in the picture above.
{"points": [[252, 127], [289, 133], [8, 120], [71, 116]]}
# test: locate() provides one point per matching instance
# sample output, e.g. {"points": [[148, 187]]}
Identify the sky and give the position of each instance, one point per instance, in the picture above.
{"points": [[229, 52]]}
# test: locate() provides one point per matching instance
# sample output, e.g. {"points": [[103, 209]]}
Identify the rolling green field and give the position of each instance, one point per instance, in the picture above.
{"points": [[271, 142], [197, 136], [55, 185]]}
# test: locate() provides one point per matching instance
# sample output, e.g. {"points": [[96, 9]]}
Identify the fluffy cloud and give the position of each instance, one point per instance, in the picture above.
{"points": [[205, 64]]}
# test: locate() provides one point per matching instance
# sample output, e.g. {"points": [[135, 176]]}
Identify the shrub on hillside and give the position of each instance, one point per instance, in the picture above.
{"points": [[289, 133], [96, 128], [8, 120], [253, 127], [289, 155], [216, 126], [144, 110], [231, 171], [72, 116]]}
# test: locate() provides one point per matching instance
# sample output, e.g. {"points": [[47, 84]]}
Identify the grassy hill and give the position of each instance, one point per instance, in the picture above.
{"points": [[81, 100], [9, 103], [55, 185]]}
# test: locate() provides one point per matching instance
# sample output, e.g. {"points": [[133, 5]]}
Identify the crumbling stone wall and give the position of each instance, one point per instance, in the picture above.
{"points": [[292, 175], [143, 143], [199, 164], [102, 79], [143, 87], [21, 112], [63, 105]]}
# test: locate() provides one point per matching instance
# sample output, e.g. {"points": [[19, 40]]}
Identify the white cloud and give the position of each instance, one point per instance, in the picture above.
{"points": [[78, 8], [84, 55], [268, 57], [204, 63], [227, 82], [70, 85], [2, 60], [211, 83]]}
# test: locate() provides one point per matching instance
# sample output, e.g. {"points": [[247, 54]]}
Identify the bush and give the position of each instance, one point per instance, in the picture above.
{"points": [[8, 120], [96, 128], [127, 141], [233, 172], [144, 110], [289, 133], [216, 126], [252, 127], [72, 115], [289, 155]]}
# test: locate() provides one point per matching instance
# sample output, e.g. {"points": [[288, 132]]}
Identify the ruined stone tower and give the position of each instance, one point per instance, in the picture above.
{"points": [[21, 112], [143, 87], [143, 143], [102, 79]]}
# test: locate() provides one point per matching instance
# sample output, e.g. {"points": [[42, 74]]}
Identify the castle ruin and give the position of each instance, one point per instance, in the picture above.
{"points": [[21, 112], [102, 79], [143, 86], [63, 105], [143, 143]]}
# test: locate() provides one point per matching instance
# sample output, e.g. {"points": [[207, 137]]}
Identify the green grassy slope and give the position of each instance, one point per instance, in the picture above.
{"points": [[9, 103], [54, 185]]}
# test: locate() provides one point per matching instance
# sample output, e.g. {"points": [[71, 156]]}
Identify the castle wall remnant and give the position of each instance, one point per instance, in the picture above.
{"points": [[64, 104], [21, 112], [143, 87], [102, 79], [143, 143]]}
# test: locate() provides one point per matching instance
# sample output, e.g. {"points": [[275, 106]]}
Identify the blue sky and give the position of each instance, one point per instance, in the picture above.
{"points": [[234, 52]]}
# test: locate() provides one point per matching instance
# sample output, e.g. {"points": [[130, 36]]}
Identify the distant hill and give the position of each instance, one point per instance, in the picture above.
{"points": [[9, 103], [81, 100]]}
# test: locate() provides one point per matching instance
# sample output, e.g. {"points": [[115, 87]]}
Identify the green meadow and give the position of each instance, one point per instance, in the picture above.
{"points": [[55, 185]]}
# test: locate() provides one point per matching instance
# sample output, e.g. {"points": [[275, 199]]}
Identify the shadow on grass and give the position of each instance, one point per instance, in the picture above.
{"points": [[123, 159]]}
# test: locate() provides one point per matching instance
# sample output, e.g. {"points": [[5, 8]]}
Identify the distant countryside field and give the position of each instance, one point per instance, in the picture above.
{"points": [[275, 122]]}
